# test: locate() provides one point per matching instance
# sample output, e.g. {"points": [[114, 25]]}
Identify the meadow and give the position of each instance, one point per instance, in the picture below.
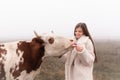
{"points": [[107, 67]]}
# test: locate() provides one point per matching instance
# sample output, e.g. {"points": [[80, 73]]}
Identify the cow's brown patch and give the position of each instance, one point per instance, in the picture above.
{"points": [[2, 71], [32, 53], [2, 51]]}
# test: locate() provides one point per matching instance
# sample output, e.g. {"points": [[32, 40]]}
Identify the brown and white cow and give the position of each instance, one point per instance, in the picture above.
{"points": [[21, 60]]}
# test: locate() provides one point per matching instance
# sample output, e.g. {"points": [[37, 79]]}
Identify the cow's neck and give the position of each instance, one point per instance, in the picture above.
{"points": [[32, 59]]}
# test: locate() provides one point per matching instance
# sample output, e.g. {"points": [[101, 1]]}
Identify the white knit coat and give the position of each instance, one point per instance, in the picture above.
{"points": [[79, 65]]}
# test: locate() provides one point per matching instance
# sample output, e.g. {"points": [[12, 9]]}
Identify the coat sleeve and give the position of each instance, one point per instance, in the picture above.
{"points": [[86, 56]]}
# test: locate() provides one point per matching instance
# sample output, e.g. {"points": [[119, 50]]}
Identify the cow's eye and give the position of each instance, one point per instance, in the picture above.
{"points": [[51, 40]]}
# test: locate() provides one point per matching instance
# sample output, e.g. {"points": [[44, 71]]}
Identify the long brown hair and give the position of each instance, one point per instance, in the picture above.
{"points": [[86, 32]]}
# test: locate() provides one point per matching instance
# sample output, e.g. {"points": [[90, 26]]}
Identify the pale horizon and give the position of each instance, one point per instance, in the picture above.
{"points": [[18, 19]]}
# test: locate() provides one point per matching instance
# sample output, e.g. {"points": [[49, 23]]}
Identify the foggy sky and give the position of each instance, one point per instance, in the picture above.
{"points": [[18, 19]]}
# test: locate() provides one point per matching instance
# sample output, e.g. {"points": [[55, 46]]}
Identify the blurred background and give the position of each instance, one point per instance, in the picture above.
{"points": [[18, 20]]}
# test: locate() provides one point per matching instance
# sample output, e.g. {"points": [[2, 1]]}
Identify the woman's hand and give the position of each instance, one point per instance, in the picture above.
{"points": [[79, 48]]}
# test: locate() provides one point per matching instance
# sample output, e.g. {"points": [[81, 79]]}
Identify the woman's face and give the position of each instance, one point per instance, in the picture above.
{"points": [[78, 32]]}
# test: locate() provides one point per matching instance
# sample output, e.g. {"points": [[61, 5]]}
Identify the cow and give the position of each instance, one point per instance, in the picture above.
{"points": [[21, 60]]}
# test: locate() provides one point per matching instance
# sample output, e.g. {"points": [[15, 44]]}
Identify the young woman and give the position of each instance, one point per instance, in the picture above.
{"points": [[79, 63]]}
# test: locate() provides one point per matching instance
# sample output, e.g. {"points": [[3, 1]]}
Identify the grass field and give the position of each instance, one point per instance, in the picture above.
{"points": [[107, 67]]}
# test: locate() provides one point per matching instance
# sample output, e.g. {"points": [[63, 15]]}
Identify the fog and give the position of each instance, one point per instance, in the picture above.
{"points": [[18, 19]]}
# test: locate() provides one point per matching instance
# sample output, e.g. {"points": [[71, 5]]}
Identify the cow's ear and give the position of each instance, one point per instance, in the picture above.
{"points": [[51, 40]]}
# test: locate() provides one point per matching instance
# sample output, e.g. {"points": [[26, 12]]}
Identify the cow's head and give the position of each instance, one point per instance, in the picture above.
{"points": [[55, 45]]}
